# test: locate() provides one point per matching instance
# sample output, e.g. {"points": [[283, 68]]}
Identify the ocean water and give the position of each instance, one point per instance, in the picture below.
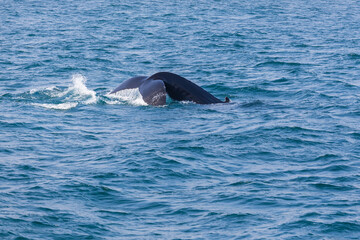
{"points": [[281, 161]]}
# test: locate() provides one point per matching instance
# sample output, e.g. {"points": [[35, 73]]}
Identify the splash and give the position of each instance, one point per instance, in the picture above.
{"points": [[65, 98], [79, 92], [131, 96]]}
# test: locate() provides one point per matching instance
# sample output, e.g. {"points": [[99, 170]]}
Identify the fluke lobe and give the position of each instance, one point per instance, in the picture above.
{"points": [[153, 89]]}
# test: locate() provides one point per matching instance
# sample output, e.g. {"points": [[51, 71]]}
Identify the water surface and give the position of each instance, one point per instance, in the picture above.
{"points": [[281, 161]]}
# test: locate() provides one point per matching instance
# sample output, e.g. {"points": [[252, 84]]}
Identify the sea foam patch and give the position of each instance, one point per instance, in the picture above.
{"points": [[60, 106]]}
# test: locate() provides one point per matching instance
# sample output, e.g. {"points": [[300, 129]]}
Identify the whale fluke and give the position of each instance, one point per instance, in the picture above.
{"points": [[154, 89]]}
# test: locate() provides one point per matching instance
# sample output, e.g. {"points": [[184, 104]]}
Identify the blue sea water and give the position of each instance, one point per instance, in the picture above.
{"points": [[281, 161]]}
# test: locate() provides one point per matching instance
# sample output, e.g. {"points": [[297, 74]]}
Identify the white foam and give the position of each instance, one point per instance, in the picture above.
{"points": [[60, 106], [131, 96]]}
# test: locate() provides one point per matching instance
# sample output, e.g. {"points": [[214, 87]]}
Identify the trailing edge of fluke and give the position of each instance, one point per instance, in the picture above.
{"points": [[153, 89]]}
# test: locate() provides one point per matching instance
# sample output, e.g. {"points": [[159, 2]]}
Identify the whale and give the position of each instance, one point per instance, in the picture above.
{"points": [[155, 88]]}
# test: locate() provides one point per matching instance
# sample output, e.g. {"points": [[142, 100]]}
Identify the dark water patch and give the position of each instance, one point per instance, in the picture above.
{"points": [[311, 215], [151, 207], [113, 214], [188, 212], [332, 169], [299, 141], [6, 96], [340, 214], [282, 80], [262, 202], [84, 188], [291, 130], [302, 45], [38, 224], [327, 157], [33, 65], [108, 175], [354, 56], [240, 183], [192, 149], [306, 179], [329, 228], [29, 168], [255, 103], [294, 226], [18, 177], [90, 137], [331, 187], [100, 60], [278, 63], [228, 198], [356, 135], [343, 227], [239, 218], [239, 44], [18, 125], [259, 92], [339, 168], [308, 96]]}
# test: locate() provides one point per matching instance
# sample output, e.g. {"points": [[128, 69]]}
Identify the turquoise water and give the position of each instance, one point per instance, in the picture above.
{"points": [[281, 161]]}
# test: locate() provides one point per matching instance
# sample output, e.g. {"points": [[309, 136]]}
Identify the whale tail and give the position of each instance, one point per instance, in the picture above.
{"points": [[181, 89], [154, 89]]}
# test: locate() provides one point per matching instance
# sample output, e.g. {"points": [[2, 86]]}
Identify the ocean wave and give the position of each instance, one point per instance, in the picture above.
{"points": [[278, 63]]}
